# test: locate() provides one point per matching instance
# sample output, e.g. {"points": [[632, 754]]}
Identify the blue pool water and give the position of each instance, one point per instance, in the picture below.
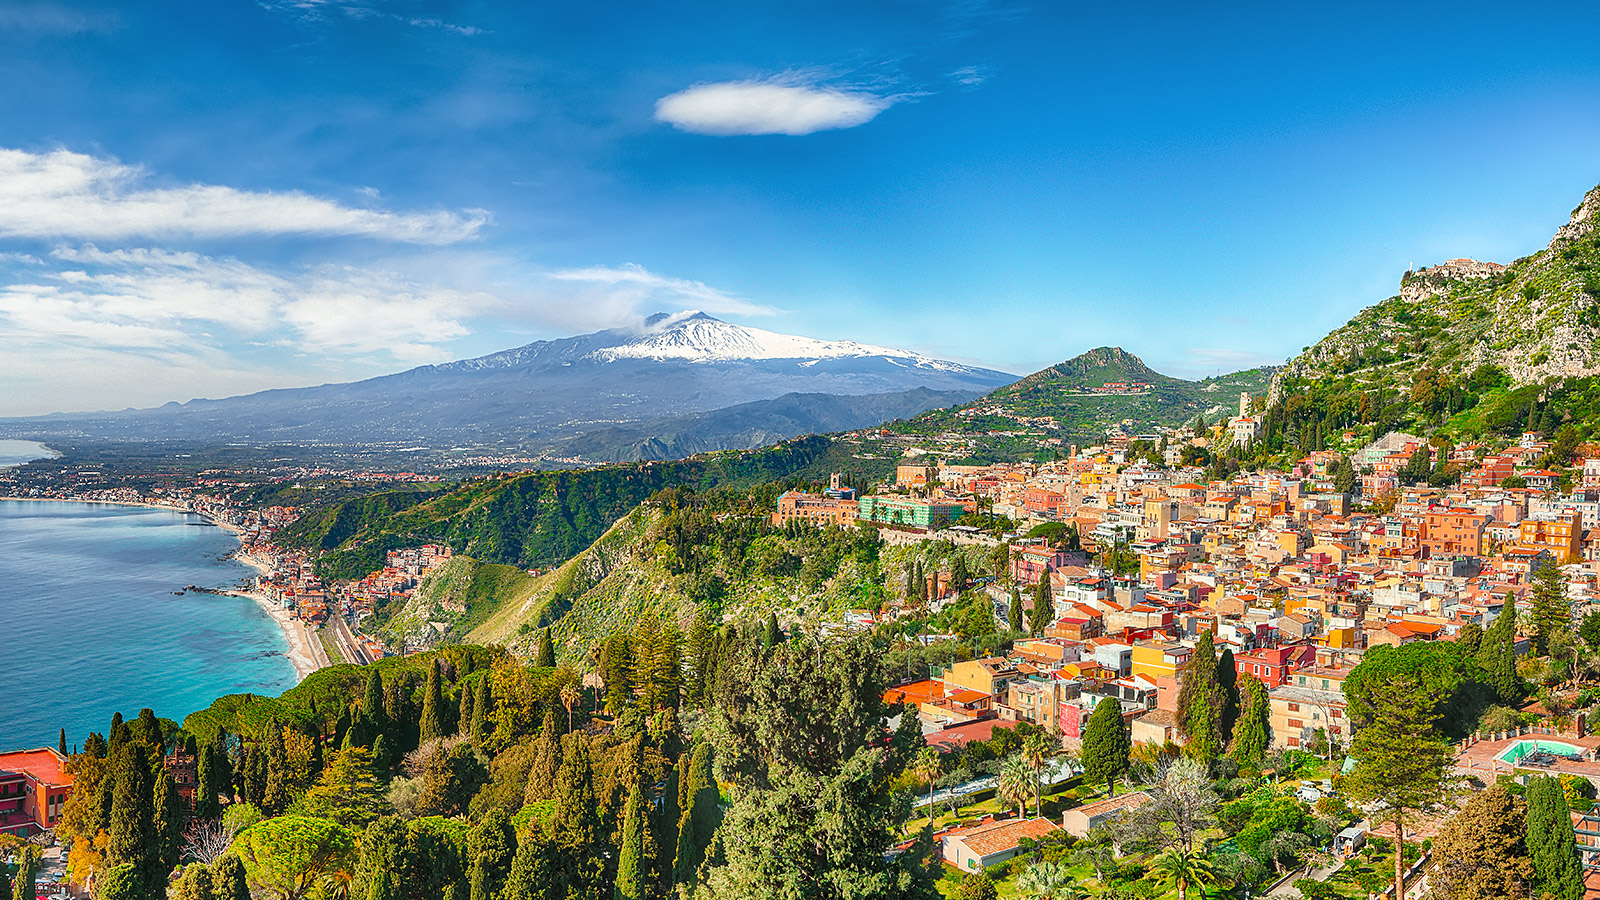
{"points": [[90, 624]]}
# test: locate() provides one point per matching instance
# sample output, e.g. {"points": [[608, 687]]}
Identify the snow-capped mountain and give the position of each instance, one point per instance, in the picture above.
{"points": [[697, 337], [686, 381]]}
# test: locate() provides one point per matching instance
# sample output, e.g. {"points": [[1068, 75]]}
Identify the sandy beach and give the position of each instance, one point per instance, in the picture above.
{"points": [[305, 651]]}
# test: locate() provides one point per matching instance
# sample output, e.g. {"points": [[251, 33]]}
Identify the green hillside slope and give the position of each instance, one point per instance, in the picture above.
{"points": [[543, 518], [1474, 349], [1070, 401]]}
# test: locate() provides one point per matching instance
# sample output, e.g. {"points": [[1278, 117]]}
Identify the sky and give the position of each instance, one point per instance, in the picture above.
{"points": [[206, 199]]}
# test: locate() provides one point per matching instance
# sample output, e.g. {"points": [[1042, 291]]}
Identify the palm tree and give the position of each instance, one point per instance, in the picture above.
{"points": [[1183, 868], [1016, 783], [930, 765], [1036, 752], [569, 699], [1048, 881], [338, 884]]}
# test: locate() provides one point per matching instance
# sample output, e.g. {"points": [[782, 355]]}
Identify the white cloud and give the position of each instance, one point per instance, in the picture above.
{"points": [[623, 292], [773, 106], [149, 300], [62, 194]]}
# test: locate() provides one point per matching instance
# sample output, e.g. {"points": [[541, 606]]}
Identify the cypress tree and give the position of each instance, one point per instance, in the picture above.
{"points": [[168, 822], [492, 845], [465, 718], [206, 805], [700, 817], [546, 656], [1253, 732], [912, 593], [665, 828], [228, 882], [1043, 613], [578, 838], [1200, 701], [146, 728], [633, 864], [1015, 612], [432, 706], [132, 828], [480, 712], [118, 734], [533, 870], [62, 743], [276, 793], [1105, 744], [1228, 684], [547, 758], [1497, 654], [773, 635], [1551, 844]]}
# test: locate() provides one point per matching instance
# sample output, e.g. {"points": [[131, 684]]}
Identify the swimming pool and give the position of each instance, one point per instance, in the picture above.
{"points": [[1522, 748]]}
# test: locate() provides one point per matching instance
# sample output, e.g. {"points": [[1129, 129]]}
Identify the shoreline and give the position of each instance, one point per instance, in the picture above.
{"points": [[297, 635]]}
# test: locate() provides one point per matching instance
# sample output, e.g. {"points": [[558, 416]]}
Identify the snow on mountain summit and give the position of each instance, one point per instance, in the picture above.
{"points": [[696, 337]]}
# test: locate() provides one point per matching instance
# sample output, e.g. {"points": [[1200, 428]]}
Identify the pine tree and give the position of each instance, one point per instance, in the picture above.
{"points": [[1106, 744], [545, 657], [1015, 611], [1252, 734], [1043, 611], [1200, 702], [1557, 873], [1497, 654], [959, 577], [633, 862], [1401, 757], [432, 726], [1552, 613]]}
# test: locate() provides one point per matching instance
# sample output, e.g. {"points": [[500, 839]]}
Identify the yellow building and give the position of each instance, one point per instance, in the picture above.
{"points": [[1155, 660]]}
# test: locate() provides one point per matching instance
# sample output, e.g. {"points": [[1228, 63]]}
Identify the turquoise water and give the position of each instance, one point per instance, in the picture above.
{"points": [[15, 453], [91, 625], [1523, 748]]}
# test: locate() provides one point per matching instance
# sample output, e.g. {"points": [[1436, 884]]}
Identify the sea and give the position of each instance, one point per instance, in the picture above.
{"points": [[94, 619]]}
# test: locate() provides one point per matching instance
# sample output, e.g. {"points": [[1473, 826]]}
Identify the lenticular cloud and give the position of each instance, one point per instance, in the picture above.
{"points": [[765, 107]]}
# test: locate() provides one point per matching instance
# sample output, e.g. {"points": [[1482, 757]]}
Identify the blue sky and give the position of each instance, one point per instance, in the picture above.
{"points": [[202, 199]]}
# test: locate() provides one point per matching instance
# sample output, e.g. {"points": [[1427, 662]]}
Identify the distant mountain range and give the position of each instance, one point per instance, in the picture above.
{"points": [[677, 384]]}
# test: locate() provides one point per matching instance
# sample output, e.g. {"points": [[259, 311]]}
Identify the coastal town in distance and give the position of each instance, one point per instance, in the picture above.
{"points": [[924, 450]]}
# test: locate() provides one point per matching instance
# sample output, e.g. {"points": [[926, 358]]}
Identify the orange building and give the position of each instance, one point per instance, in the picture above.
{"points": [[34, 786], [1453, 532], [1561, 538], [814, 508]]}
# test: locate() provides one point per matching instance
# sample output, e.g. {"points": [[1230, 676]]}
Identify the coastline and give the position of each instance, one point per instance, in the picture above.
{"points": [[303, 646]]}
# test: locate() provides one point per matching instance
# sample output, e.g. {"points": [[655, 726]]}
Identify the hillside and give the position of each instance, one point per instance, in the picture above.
{"points": [[1078, 399], [1473, 348], [670, 562], [544, 518]]}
